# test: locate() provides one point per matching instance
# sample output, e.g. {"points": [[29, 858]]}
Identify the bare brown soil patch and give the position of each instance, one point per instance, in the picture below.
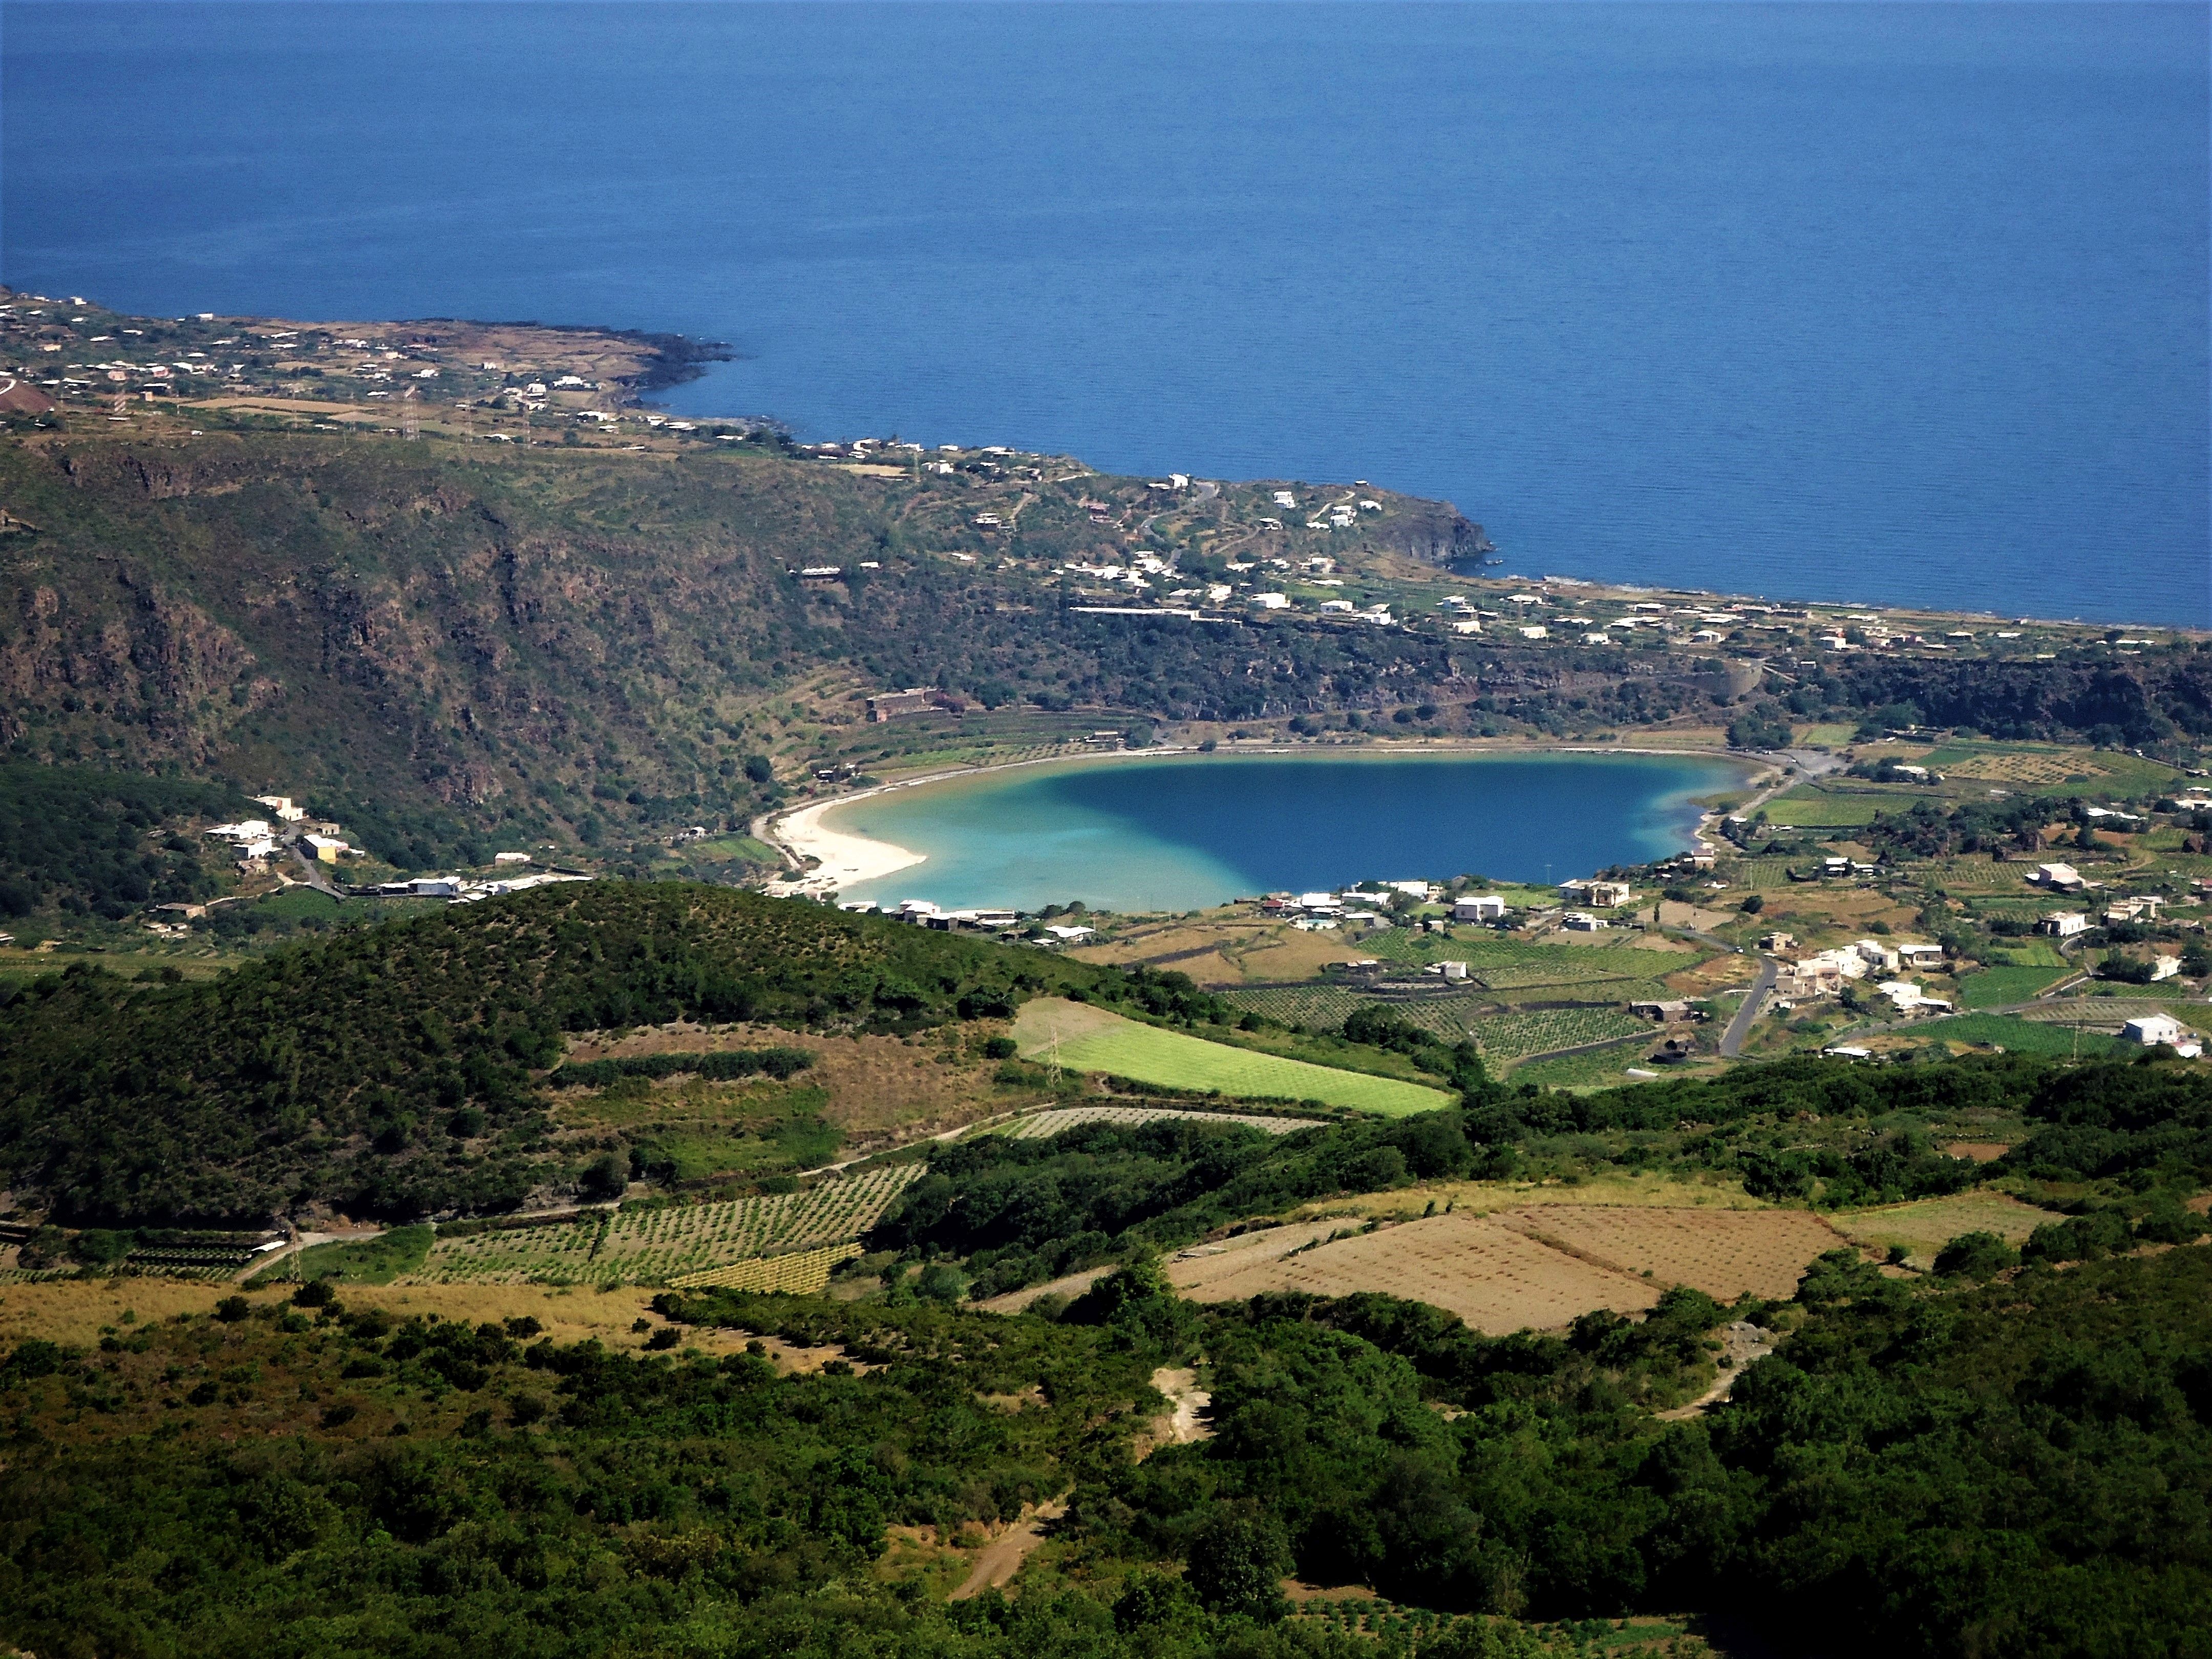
{"points": [[78, 1311], [1073, 1285], [1538, 1267], [1711, 974], [1980, 1152]]}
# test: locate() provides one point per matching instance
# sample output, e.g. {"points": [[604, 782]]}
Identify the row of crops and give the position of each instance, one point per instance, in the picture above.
{"points": [[797, 1273], [1453, 1020], [666, 1242], [1044, 1125], [1503, 1037]]}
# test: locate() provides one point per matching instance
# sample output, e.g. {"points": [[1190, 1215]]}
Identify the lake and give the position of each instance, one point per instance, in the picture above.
{"points": [[1182, 832], [1891, 303]]}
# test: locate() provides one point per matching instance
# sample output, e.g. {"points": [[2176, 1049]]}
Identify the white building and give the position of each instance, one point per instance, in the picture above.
{"points": [[1478, 906], [2151, 1029], [1581, 922], [1452, 971], [2063, 924], [1876, 954], [2059, 878]]}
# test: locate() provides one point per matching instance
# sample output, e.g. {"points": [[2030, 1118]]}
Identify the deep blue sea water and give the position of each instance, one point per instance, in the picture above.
{"points": [[1182, 833], [1888, 303]]}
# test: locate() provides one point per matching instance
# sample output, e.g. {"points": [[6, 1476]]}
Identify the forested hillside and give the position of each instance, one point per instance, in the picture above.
{"points": [[390, 1069], [109, 842]]}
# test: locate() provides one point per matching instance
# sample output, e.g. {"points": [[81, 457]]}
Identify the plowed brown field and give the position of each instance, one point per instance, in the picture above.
{"points": [[1539, 1268], [1724, 1254], [1495, 1279]]}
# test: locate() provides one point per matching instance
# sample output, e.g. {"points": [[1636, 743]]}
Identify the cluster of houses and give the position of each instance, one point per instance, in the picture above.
{"points": [[1823, 973], [256, 839], [468, 889], [926, 913], [1324, 912]]}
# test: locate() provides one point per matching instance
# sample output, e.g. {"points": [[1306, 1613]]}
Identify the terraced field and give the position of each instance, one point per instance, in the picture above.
{"points": [[658, 1244], [1319, 1006], [1593, 1068], [1081, 1038]]}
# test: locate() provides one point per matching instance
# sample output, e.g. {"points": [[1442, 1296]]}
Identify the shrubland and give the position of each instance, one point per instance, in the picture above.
{"points": [[2021, 1468]]}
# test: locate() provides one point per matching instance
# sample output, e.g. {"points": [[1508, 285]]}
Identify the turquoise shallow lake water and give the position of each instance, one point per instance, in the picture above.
{"points": [[1182, 832]]}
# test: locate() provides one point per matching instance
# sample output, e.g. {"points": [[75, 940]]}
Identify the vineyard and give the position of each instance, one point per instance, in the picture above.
{"points": [[1591, 1068], [797, 1273], [1318, 1007], [658, 1244], [2022, 1037], [1045, 1124], [1504, 1037]]}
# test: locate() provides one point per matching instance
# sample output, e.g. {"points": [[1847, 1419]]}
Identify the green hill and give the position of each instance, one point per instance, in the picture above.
{"points": [[391, 1070]]}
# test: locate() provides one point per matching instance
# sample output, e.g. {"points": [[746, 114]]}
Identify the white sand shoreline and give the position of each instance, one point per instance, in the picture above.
{"points": [[840, 859]]}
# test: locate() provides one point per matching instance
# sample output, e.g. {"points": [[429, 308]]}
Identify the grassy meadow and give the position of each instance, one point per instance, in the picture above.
{"points": [[1084, 1039]]}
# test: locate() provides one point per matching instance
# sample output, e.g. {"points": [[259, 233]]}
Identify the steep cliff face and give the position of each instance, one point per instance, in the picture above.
{"points": [[385, 622], [1435, 531]]}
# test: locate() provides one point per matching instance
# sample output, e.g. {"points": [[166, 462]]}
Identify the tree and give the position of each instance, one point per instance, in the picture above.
{"points": [[1975, 1255], [604, 1177], [759, 769], [1236, 1565]]}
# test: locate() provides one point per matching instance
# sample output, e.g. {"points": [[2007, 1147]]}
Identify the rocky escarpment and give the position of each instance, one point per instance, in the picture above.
{"points": [[1435, 531]]}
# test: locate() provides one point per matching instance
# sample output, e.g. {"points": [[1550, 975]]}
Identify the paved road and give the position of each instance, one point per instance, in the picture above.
{"points": [[1739, 1027], [312, 869]]}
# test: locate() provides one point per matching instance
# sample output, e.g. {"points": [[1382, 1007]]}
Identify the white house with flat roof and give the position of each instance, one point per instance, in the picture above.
{"points": [[2153, 1028]]}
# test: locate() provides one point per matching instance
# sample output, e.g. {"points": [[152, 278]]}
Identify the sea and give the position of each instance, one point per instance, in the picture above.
{"points": [[1184, 832], [1884, 304]]}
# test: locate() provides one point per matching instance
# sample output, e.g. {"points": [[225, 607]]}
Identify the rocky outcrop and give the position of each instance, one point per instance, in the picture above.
{"points": [[1435, 531]]}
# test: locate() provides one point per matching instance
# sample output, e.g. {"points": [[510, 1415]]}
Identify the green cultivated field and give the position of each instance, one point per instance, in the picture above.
{"points": [[1814, 811], [1541, 1031], [2021, 1036], [1993, 987], [1594, 1068], [655, 1243], [1144, 1054]]}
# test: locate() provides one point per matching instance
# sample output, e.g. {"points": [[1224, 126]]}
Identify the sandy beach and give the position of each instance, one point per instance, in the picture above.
{"points": [[845, 858]]}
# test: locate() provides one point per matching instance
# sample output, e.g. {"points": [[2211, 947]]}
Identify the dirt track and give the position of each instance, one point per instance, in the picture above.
{"points": [[1003, 1556]]}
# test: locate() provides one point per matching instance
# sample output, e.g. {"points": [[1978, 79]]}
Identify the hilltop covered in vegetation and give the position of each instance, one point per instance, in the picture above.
{"points": [[392, 1069]]}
